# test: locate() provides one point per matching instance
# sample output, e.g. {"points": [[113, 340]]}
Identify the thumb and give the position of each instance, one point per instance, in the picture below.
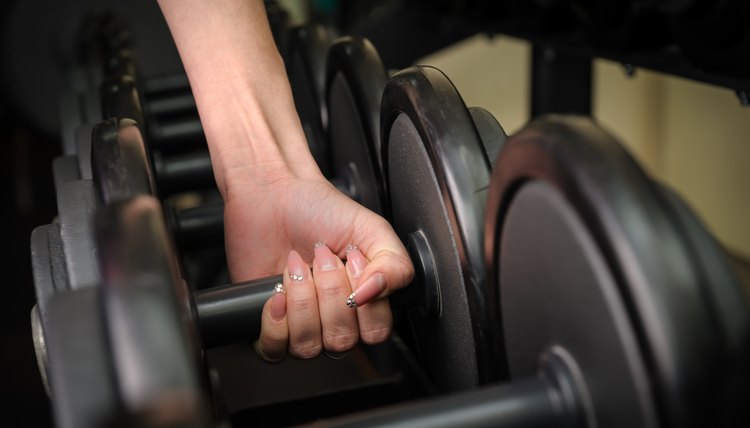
{"points": [[390, 269]]}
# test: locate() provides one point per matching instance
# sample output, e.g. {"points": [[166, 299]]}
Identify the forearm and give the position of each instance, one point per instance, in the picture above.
{"points": [[241, 89]]}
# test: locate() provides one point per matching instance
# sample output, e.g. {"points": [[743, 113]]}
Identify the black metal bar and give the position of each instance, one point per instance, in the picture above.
{"points": [[232, 313], [184, 172], [560, 82], [200, 227], [526, 403]]}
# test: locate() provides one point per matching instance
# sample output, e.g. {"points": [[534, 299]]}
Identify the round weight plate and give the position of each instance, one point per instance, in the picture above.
{"points": [[149, 315], [492, 134], [722, 288], [556, 289], [119, 162], [306, 66], [356, 78], [585, 255], [437, 174]]}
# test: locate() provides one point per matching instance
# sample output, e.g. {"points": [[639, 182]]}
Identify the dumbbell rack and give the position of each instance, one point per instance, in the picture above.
{"points": [[389, 386]]}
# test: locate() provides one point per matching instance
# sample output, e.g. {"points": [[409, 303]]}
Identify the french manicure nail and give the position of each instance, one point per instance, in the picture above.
{"points": [[371, 288], [296, 266], [278, 303], [355, 262], [324, 258]]}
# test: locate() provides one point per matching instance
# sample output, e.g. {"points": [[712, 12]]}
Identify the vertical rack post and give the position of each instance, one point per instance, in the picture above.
{"points": [[560, 82]]}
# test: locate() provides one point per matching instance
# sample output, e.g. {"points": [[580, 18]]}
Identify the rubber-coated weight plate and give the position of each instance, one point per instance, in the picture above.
{"points": [[613, 223], [724, 295], [556, 289], [492, 134], [356, 78], [148, 314], [437, 174], [118, 161]]}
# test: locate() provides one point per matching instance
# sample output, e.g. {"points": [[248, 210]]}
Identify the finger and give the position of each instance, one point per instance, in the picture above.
{"points": [[390, 268], [375, 319], [274, 332], [339, 324], [302, 309]]}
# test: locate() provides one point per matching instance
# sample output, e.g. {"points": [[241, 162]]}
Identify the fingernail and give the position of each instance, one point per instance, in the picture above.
{"points": [[355, 262], [324, 258], [296, 266], [370, 289], [278, 303]]}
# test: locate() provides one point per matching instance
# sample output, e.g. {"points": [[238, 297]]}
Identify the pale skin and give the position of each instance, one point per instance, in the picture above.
{"points": [[278, 205]]}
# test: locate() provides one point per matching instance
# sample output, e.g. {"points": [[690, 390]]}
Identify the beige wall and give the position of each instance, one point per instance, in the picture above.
{"points": [[694, 137]]}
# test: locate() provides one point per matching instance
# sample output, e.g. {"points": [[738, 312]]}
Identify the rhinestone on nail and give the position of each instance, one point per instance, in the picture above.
{"points": [[351, 302], [279, 288], [296, 277]]}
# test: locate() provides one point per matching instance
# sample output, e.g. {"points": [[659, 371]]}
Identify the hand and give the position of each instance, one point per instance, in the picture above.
{"points": [[275, 228]]}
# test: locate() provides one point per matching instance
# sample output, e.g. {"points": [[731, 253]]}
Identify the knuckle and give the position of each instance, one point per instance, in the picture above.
{"points": [[306, 349], [340, 341], [376, 334]]}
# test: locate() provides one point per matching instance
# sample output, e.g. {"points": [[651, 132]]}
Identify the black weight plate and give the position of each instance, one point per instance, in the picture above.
{"points": [[556, 290], [723, 290], [119, 162], [306, 66], [76, 207], [584, 254], [437, 175], [83, 388], [355, 80], [119, 97], [83, 136], [491, 133], [149, 314]]}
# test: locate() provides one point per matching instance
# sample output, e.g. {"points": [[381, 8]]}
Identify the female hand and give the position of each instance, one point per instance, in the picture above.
{"points": [[291, 223]]}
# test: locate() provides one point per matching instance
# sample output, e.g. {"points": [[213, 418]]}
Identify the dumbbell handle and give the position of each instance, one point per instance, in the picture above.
{"points": [[526, 403], [232, 313]]}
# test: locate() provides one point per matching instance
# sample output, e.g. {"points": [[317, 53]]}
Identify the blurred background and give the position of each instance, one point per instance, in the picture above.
{"points": [[691, 135]]}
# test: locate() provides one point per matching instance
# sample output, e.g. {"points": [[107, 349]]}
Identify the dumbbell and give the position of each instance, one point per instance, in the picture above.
{"points": [[589, 254]]}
